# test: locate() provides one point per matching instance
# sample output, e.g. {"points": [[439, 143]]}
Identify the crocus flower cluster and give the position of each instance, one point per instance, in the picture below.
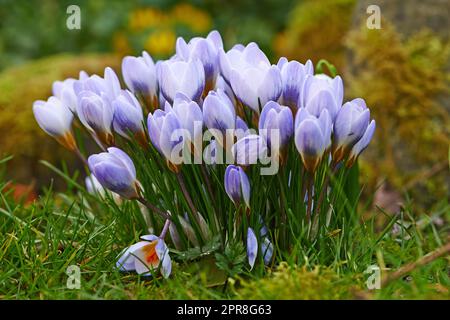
{"points": [[233, 111]]}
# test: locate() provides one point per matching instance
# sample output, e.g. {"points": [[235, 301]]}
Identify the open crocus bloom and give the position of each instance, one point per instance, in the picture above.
{"points": [[146, 256]]}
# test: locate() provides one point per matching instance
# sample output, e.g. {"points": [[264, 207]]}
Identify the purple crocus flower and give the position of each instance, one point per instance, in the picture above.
{"points": [[187, 77], [293, 76], [312, 137], [65, 92], [94, 108], [166, 135], [128, 117], [190, 117], [206, 50], [362, 144], [251, 76], [351, 123], [219, 115], [232, 59], [237, 185], [276, 122], [249, 149], [322, 92], [116, 172], [56, 120], [146, 256], [139, 74], [96, 114], [108, 85]]}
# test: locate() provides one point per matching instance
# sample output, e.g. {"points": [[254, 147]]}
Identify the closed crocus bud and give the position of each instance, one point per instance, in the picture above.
{"points": [[293, 76], [350, 124], [64, 91], [256, 82], [219, 116], [322, 92], [146, 257], [139, 74], [312, 137], [206, 50], [190, 117], [252, 247], [166, 135], [249, 150], [187, 77], [237, 185], [362, 144], [128, 117], [96, 114], [56, 120], [116, 172], [276, 122]]}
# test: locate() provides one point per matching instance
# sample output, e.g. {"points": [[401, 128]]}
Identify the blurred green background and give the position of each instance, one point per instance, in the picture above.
{"points": [[402, 70]]}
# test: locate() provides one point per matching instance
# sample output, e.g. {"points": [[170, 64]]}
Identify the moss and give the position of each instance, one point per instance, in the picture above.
{"points": [[405, 82], [316, 30], [293, 282], [19, 87]]}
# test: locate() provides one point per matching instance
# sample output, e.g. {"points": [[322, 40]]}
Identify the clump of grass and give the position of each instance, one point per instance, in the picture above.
{"points": [[39, 241]]}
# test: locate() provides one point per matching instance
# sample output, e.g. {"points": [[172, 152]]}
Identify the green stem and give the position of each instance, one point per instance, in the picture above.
{"points": [[309, 207], [153, 208], [186, 194]]}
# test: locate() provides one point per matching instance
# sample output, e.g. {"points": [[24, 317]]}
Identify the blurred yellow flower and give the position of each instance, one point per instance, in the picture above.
{"points": [[154, 29], [143, 18], [149, 17], [161, 42]]}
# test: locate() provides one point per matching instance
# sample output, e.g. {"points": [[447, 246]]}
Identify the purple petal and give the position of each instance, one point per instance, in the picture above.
{"points": [[252, 247]]}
